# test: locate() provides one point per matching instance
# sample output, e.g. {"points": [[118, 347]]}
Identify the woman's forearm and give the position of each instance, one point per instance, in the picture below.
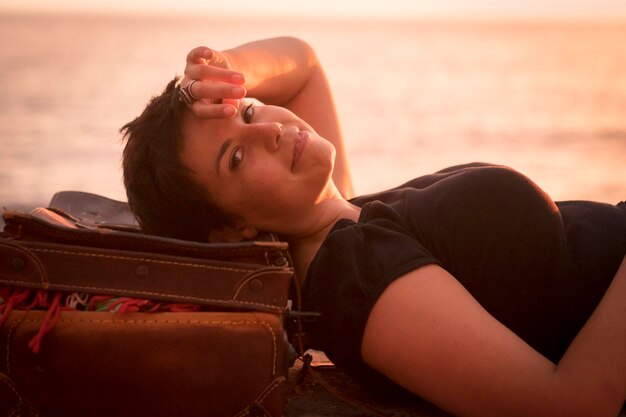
{"points": [[286, 72], [428, 334], [276, 69], [595, 362]]}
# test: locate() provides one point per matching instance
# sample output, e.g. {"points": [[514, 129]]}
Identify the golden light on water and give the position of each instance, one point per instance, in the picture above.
{"points": [[414, 96]]}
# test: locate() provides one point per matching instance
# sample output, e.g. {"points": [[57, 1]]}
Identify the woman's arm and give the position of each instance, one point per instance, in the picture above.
{"points": [[279, 71], [428, 334]]}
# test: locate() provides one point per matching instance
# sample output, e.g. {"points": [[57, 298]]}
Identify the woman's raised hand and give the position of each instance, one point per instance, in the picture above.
{"points": [[216, 87]]}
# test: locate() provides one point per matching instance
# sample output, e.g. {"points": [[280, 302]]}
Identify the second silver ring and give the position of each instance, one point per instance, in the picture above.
{"points": [[188, 88]]}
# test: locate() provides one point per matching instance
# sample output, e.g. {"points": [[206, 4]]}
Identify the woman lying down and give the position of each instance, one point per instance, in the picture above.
{"points": [[469, 287]]}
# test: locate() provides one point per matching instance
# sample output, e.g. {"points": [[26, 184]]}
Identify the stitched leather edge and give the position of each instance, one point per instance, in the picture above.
{"points": [[141, 259], [36, 262], [14, 326], [6, 380], [255, 275], [274, 384], [264, 394], [19, 407], [253, 247]]}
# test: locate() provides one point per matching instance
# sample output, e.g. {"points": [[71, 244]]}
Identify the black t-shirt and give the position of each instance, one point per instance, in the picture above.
{"points": [[537, 266]]}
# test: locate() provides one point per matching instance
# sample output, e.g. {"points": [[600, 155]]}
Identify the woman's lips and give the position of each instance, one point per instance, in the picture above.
{"points": [[301, 142]]}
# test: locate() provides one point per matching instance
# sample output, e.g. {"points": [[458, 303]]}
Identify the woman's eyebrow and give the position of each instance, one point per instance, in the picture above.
{"points": [[221, 153]]}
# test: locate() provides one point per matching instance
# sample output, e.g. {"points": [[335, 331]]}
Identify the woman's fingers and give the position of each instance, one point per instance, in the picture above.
{"points": [[199, 55], [216, 88], [207, 110], [215, 100], [205, 64], [210, 72], [210, 90]]}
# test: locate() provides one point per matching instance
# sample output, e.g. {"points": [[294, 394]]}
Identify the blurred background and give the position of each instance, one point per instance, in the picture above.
{"points": [[419, 86]]}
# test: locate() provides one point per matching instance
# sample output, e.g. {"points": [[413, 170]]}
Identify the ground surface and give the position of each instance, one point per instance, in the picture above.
{"points": [[311, 399]]}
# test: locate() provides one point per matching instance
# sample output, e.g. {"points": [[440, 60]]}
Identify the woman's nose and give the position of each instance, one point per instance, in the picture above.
{"points": [[269, 133]]}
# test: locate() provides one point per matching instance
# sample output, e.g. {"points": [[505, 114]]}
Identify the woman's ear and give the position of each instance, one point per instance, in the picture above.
{"points": [[232, 234]]}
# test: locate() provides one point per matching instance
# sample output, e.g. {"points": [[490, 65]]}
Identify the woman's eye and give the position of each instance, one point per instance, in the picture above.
{"points": [[236, 158], [248, 112]]}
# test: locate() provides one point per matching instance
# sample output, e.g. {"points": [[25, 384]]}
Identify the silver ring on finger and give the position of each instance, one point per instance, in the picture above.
{"points": [[189, 86], [185, 95]]}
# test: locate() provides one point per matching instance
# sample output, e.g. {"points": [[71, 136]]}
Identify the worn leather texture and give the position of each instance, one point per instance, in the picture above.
{"points": [[139, 364], [44, 225], [229, 359], [36, 253], [94, 210]]}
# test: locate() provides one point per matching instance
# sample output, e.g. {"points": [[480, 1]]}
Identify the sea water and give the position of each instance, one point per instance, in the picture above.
{"points": [[414, 96]]}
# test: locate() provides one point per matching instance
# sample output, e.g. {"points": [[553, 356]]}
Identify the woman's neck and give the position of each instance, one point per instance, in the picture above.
{"points": [[304, 248]]}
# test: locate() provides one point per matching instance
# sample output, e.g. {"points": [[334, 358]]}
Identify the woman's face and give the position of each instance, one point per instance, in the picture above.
{"points": [[266, 167]]}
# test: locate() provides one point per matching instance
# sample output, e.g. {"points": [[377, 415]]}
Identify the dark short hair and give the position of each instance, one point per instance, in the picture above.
{"points": [[161, 191]]}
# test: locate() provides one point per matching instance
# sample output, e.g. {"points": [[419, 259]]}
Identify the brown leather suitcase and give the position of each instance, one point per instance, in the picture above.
{"points": [[228, 358]]}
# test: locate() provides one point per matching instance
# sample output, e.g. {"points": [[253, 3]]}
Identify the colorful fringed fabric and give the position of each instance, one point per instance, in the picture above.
{"points": [[56, 301]]}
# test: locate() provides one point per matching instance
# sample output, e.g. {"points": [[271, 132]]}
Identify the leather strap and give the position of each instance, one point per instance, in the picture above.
{"points": [[26, 227], [144, 275]]}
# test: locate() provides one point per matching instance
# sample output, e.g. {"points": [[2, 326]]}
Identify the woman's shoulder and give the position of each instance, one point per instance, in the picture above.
{"points": [[458, 177], [354, 264], [373, 248], [467, 174]]}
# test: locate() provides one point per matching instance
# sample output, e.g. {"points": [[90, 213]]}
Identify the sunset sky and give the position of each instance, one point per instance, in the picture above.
{"points": [[615, 9]]}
